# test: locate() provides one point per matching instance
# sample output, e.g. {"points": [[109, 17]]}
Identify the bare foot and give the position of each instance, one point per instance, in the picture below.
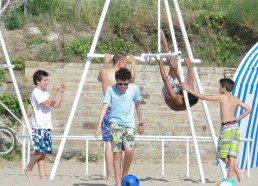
{"points": [[109, 179], [240, 175], [28, 173]]}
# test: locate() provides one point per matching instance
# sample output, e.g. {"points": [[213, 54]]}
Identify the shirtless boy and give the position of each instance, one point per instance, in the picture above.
{"points": [[229, 132]]}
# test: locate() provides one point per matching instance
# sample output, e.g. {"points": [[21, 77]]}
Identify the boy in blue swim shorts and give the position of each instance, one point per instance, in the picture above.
{"points": [[41, 123]]}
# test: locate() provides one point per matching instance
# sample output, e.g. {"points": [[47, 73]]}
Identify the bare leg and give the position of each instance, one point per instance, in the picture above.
{"points": [[109, 160], [35, 158], [122, 163], [173, 69], [190, 78], [42, 166], [230, 161], [127, 161], [117, 159]]}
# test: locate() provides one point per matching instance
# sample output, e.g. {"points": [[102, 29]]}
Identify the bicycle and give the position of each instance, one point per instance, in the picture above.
{"points": [[7, 140]]}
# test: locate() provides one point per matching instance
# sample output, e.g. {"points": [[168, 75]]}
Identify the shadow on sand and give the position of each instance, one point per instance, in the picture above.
{"points": [[154, 179]]}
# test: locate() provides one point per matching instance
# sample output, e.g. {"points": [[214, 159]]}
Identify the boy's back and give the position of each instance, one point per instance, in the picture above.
{"points": [[228, 104]]}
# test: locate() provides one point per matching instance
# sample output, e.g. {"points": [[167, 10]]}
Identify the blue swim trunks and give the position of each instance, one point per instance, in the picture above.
{"points": [[105, 126], [42, 140]]}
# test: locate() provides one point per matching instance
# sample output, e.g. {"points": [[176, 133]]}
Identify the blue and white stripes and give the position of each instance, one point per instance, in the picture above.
{"points": [[246, 89]]}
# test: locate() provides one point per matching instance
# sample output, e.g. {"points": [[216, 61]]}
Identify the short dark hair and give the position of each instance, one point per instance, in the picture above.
{"points": [[118, 56], [38, 76], [123, 74], [228, 83], [192, 99]]}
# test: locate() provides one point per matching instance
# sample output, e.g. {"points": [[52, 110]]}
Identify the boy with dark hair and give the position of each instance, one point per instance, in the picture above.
{"points": [[124, 98], [107, 78], [229, 133], [41, 122]]}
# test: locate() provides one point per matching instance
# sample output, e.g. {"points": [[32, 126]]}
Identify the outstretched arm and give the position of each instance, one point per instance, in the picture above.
{"points": [[187, 88]]}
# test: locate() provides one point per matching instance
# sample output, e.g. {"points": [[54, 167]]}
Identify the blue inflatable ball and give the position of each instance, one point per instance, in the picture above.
{"points": [[130, 180], [227, 182]]}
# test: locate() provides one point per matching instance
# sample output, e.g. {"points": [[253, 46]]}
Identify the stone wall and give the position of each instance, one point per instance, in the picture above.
{"points": [[158, 119]]}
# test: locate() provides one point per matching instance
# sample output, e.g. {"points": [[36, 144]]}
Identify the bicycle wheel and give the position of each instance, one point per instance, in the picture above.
{"points": [[7, 140]]}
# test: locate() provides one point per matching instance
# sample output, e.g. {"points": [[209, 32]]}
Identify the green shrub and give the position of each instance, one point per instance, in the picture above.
{"points": [[14, 20], [92, 158], [15, 155], [217, 47], [2, 75], [13, 104], [119, 45], [19, 63], [77, 47]]}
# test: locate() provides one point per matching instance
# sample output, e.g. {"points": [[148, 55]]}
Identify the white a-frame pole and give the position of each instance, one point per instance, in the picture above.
{"points": [[197, 152], [18, 94], [76, 100], [190, 54]]}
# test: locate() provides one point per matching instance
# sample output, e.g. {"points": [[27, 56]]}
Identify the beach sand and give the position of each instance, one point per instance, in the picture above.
{"points": [[72, 172]]}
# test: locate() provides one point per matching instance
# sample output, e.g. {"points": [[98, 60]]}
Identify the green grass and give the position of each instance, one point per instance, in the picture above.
{"points": [[220, 31]]}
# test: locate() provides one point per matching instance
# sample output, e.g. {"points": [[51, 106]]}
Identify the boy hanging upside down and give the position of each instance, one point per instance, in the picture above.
{"points": [[173, 95]]}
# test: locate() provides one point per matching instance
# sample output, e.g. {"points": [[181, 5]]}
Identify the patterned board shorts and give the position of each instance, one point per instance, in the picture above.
{"points": [[121, 137], [42, 140], [105, 126], [228, 140], [173, 85]]}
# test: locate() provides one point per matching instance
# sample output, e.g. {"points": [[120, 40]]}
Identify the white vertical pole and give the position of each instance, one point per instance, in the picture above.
{"points": [[159, 25], [28, 151], [183, 30], [190, 54], [162, 159], [9, 66], [207, 113], [187, 158], [0, 9], [76, 100], [170, 22], [87, 157], [23, 154], [191, 124]]}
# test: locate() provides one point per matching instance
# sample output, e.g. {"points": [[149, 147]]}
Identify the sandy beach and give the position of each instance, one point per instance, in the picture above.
{"points": [[72, 172]]}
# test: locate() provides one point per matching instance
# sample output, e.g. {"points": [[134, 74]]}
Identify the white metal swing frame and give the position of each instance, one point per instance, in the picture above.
{"points": [[91, 55]]}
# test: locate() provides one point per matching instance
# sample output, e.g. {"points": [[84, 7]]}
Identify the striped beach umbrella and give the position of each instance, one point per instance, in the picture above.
{"points": [[246, 89]]}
